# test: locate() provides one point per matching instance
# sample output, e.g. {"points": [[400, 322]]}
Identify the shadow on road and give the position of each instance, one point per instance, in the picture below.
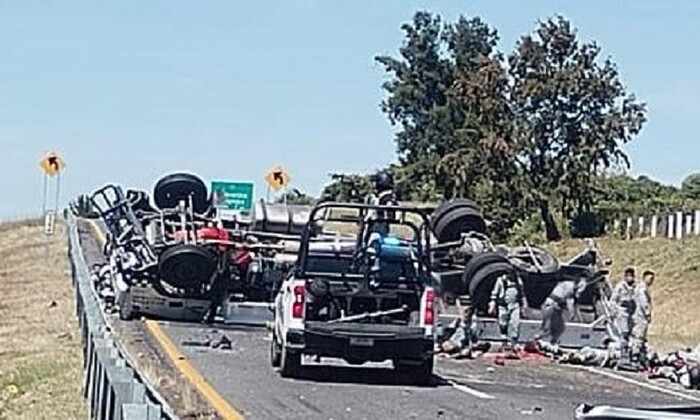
{"points": [[363, 376]]}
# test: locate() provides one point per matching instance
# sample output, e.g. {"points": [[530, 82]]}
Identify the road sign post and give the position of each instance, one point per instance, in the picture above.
{"points": [[52, 165], [233, 196]]}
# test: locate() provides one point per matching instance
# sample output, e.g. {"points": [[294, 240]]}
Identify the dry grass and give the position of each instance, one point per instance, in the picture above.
{"points": [[676, 292], [40, 350]]}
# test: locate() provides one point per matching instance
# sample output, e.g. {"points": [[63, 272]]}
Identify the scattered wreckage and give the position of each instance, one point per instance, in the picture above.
{"points": [[171, 255]]}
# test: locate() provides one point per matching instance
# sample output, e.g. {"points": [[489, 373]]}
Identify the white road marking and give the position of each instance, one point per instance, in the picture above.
{"points": [[640, 383], [491, 382], [471, 391]]}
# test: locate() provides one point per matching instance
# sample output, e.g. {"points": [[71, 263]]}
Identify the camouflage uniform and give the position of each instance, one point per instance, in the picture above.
{"points": [[509, 296], [561, 298], [642, 313], [623, 302]]}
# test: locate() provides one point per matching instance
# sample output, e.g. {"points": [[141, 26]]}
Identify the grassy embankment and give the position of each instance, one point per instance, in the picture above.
{"points": [[40, 350], [676, 292]]}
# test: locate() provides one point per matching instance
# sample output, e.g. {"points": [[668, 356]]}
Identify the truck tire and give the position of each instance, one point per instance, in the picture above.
{"points": [[290, 363], [481, 283], [461, 220], [475, 264], [275, 351], [448, 206], [172, 188], [186, 266]]}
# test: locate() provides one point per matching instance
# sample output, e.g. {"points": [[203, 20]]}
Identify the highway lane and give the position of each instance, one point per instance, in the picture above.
{"points": [[536, 389], [244, 378]]}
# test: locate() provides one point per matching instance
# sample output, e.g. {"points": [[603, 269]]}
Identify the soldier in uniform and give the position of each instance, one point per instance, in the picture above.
{"points": [[623, 303], [508, 300], [642, 314], [560, 299], [383, 195]]}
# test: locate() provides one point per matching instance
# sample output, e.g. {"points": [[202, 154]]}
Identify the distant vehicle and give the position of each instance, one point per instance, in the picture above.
{"points": [[362, 297]]}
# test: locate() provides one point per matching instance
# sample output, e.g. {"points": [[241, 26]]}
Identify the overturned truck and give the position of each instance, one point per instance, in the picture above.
{"points": [[172, 256]]}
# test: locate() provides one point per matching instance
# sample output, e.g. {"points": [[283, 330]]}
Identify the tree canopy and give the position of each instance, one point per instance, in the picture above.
{"points": [[538, 130]]}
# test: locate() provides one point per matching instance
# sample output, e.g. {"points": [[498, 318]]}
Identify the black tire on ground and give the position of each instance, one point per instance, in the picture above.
{"points": [[482, 282], [448, 206], [275, 351], [290, 363], [460, 220], [170, 189], [186, 266], [523, 260]]}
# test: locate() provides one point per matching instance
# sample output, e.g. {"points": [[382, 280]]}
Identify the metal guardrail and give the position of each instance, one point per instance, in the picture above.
{"points": [[112, 387]]}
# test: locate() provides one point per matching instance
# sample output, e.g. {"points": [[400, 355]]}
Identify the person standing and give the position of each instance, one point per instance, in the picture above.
{"points": [[561, 298], [643, 310], [508, 300], [623, 302]]}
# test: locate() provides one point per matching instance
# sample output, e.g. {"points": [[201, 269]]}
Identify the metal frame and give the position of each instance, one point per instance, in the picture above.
{"points": [[422, 232]]}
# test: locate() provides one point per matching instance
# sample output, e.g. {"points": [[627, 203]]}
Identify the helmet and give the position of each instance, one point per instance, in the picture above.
{"points": [[383, 181]]}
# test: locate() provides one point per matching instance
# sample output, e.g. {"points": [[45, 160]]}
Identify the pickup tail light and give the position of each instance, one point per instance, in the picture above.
{"points": [[298, 305], [429, 314]]}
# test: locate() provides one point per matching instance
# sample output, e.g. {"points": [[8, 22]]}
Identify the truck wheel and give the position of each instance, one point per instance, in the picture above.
{"points": [[290, 363], [172, 188], [275, 352], [482, 282], [461, 220], [449, 206]]}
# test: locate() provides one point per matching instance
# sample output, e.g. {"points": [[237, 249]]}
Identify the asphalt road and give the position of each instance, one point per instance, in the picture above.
{"points": [[462, 389]]}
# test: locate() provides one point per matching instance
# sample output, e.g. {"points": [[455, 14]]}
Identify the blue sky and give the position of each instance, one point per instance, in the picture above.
{"points": [[129, 90]]}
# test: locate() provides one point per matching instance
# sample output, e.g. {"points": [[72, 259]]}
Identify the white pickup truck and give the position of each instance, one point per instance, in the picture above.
{"points": [[361, 298]]}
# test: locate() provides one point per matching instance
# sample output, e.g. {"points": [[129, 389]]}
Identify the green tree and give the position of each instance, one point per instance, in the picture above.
{"points": [[296, 197], [691, 186], [572, 114], [418, 102], [347, 187], [482, 161]]}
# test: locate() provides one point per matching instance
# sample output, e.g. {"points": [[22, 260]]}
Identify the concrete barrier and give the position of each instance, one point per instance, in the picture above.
{"points": [[112, 388]]}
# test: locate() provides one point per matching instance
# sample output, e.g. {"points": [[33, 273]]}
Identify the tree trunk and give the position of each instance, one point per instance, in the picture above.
{"points": [[550, 225]]}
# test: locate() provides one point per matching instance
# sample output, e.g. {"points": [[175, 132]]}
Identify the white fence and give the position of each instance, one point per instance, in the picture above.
{"points": [[672, 225]]}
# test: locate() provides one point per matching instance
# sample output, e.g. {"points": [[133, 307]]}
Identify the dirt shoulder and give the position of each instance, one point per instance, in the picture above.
{"points": [[41, 363]]}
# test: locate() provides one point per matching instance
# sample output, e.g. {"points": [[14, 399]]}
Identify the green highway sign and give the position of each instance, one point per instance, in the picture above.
{"points": [[233, 195]]}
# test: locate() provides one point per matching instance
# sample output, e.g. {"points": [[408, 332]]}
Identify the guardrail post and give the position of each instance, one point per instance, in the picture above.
{"points": [[670, 226], [688, 224], [679, 225], [640, 221], [654, 225]]}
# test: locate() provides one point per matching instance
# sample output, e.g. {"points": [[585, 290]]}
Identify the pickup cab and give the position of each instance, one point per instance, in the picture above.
{"points": [[362, 297]]}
